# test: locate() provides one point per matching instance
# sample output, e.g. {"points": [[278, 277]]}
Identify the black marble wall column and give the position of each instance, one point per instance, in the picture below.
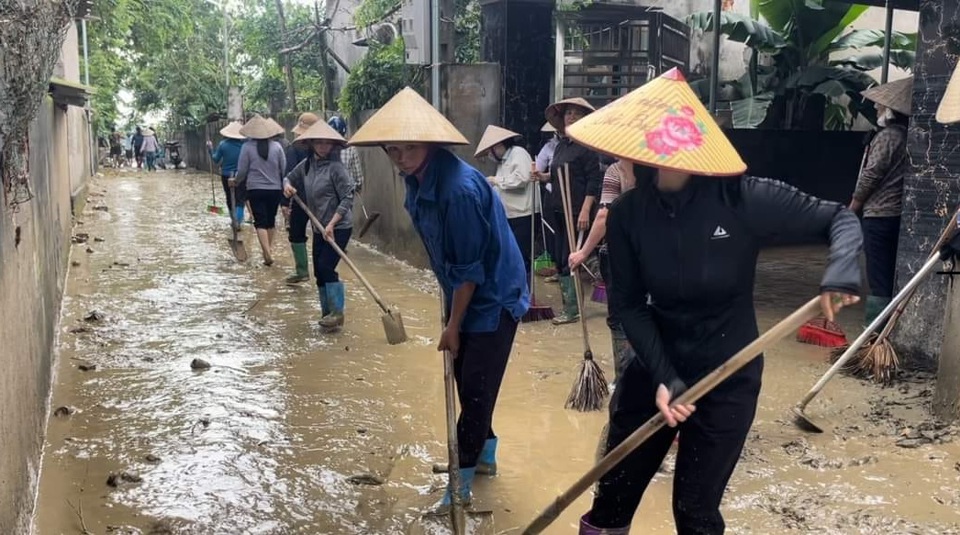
{"points": [[519, 36], [932, 190]]}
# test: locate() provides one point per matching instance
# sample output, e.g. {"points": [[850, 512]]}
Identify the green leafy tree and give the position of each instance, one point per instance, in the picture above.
{"points": [[804, 84]]}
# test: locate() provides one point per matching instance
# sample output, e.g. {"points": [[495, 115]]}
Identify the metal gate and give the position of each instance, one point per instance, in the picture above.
{"points": [[611, 49]]}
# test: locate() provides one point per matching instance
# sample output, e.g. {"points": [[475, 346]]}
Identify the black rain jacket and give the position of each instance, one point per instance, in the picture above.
{"points": [[694, 252]]}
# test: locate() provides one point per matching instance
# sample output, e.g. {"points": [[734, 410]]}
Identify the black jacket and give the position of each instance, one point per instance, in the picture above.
{"points": [[586, 176], [695, 254]]}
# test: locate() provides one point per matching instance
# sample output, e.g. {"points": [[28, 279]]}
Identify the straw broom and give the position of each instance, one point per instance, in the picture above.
{"points": [[590, 388]]}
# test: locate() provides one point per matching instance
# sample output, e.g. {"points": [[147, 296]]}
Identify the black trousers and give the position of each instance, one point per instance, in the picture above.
{"points": [[325, 258], [521, 227], [561, 249], [880, 238], [241, 193], [712, 441], [299, 220], [478, 370]]}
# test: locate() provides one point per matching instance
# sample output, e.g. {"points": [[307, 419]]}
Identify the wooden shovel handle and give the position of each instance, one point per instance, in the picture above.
{"points": [[786, 327], [343, 256]]}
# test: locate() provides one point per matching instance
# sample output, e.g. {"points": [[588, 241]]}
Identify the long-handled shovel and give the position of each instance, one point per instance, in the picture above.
{"points": [[236, 244], [368, 219], [590, 388], [801, 419], [781, 330], [392, 322]]}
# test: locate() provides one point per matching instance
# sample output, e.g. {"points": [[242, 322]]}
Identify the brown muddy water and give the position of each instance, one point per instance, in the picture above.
{"points": [[295, 432]]}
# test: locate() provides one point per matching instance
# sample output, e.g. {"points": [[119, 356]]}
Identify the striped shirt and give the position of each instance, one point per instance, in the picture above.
{"points": [[351, 160], [616, 183]]}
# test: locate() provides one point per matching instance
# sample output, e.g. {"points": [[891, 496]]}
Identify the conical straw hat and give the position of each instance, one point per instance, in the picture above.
{"points": [[321, 131], [148, 132], [661, 124], [555, 111], [232, 130], [897, 95], [278, 129], [408, 118], [304, 122], [949, 110], [547, 127], [493, 135], [258, 128]]}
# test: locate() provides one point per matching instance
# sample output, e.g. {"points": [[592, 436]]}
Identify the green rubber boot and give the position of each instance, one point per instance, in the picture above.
{"points": [[571, 312], [874, 306], [300, 258], [335, 298]]}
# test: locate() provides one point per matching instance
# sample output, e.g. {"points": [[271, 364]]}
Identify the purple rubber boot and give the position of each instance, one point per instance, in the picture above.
{"points": [[588, 529]]}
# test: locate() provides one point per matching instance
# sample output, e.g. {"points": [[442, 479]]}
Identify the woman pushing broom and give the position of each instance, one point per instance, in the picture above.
{"points": [[683, 247], [474, 255]]}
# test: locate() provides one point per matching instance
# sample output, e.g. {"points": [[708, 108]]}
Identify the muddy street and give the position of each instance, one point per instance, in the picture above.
{"points": [[291, 431]]}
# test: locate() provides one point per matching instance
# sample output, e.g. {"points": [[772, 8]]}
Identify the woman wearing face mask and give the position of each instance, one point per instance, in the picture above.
{"points": [[585, 178], [512, 183], [683, 247], [879, 192], [323, 184]]}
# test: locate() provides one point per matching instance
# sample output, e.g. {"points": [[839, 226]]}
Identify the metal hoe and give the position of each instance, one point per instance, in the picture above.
{"points": [[369, 220], [392, 322]]}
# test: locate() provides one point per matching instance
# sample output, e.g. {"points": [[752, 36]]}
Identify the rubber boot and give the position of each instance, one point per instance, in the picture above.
{"points": [[300, 260], [239, 211], [466, 484], [568, 292], [874, 306], [586, 528], [335, 297], [486, 464], [324, 301]]}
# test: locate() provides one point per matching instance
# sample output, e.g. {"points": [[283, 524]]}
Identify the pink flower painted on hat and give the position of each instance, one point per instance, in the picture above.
{"points": [[681, 132], [657, 142], [687, 110]]}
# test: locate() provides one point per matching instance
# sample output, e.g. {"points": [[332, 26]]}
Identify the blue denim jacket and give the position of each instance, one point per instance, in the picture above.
{"points": [[227, 154], [464, 228]]}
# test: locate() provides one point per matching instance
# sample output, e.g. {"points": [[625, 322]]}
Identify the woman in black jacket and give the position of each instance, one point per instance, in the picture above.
{"points": [[585, 179], [683, 247]]}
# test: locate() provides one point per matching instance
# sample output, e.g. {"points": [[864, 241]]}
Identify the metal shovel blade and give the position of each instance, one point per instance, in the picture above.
{"points": [[447, 520], [804, 422], [236, 245], [393, 327], [366, 226]]}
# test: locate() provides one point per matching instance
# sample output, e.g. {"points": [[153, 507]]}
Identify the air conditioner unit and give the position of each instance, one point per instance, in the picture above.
{"points": [[415, 28]]}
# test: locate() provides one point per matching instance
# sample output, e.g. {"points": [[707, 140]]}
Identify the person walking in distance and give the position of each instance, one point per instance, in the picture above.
{"points": [[260, 170]]}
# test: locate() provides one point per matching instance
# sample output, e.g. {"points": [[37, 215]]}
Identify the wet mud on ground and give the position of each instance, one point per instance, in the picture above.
{"points": [[291, 431]]}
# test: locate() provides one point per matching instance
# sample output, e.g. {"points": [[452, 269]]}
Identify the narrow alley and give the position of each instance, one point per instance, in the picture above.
{"points": [[291, 431]]}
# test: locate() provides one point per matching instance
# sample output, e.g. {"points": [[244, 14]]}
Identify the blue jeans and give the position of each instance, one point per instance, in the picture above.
{"points": [[151, 158]]}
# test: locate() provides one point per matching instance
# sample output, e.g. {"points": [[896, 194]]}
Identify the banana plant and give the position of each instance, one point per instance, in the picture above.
{"points": [[804, 83]]}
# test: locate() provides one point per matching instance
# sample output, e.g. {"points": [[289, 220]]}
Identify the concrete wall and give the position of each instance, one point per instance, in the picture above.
{"points": [[32, 273]]}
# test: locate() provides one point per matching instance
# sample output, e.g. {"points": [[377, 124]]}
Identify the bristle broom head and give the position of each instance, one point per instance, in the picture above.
{"points": [[874, 361], [538, 313], [590, 388], [822, 332]]}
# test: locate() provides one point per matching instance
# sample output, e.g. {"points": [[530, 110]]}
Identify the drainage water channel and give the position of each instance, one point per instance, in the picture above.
{"points": [[292, 431]]}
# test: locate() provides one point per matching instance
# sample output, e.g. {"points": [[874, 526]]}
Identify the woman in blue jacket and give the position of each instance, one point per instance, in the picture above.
{"points": [[473, 254], [227, 154]]}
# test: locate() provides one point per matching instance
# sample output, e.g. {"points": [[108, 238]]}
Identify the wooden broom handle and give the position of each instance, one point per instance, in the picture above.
{"points": [[564, 182], [353, 267], [786, 327], [945, 236]]}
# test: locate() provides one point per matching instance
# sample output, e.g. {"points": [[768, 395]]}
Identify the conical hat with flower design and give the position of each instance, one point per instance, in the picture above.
{"points": [[661, 124]]}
